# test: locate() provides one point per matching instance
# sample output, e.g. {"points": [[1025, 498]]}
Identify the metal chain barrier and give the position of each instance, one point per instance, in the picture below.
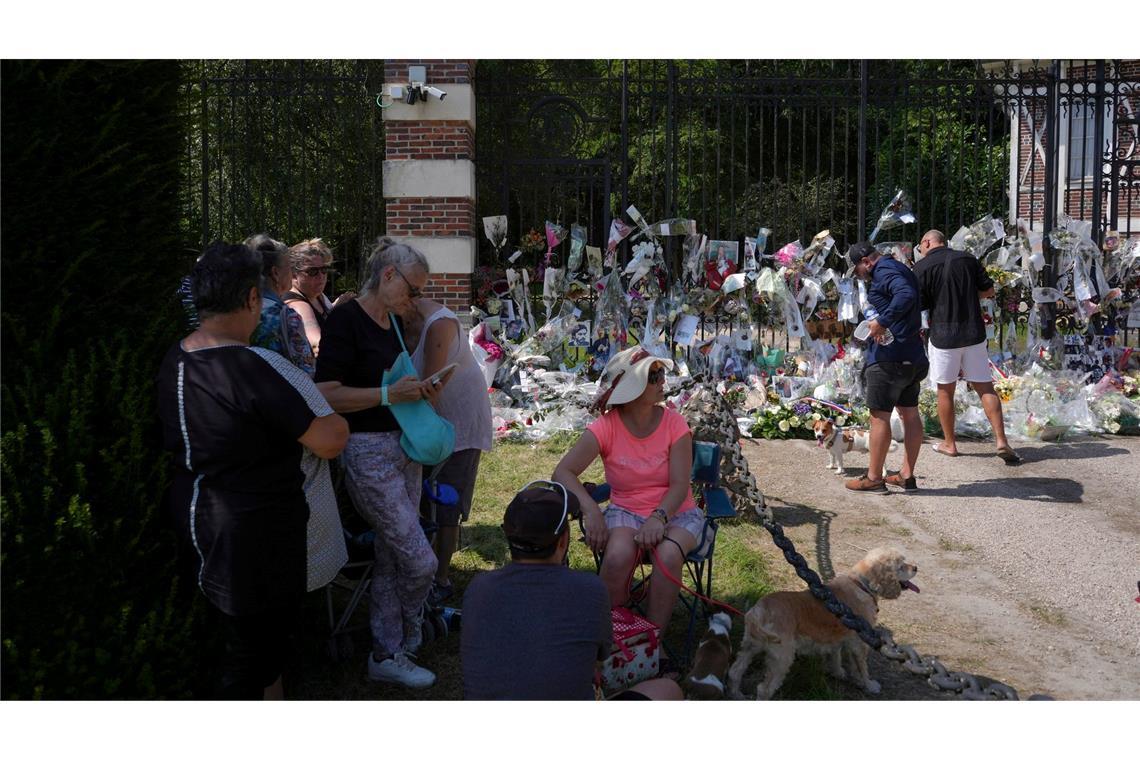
{"points": [[966, 685]]}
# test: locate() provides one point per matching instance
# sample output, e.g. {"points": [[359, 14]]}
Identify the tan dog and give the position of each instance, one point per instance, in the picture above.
{"points": [[706, 679], [787, 623], [838, 441]]}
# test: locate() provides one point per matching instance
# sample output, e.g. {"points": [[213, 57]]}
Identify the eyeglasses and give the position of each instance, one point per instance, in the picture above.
{"points": [[656, 375], [413, 292], [546, 484], [314, 271]]}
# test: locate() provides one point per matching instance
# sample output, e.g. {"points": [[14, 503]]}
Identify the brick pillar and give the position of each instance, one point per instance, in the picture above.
{"points": [[429, 175]]}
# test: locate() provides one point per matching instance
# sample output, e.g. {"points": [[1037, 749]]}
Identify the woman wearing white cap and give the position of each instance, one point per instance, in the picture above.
{"points": [[647, 451]]}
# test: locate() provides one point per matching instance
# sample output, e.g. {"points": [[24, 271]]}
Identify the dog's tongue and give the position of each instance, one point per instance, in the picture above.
{"points": [[819, 443], [911, 586]]}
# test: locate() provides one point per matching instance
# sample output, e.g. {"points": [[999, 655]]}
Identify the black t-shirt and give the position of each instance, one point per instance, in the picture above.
{"points": [[355, 351], [293, 296], [949, 282], [534, 632], [231, 417]]}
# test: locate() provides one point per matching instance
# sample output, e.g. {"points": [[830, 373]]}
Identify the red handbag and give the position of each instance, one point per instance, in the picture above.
{"points": [[636, 653]]}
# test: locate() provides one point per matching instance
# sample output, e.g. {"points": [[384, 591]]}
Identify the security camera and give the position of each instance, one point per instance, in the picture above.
{"points": [[435, 92]]}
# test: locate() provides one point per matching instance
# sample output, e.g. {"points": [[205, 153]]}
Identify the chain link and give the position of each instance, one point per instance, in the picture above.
{"points": [[966, 685]]}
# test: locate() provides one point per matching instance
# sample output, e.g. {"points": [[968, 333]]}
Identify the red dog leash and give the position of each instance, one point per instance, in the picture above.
{"points": [[676, 581]]}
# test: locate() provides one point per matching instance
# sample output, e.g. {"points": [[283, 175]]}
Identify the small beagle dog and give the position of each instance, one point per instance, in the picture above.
{"points": [[838, 441], [706, 679]]}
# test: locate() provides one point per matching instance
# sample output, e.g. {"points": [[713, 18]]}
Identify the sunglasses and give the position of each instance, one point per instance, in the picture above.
{"points": [[413, 292], [315, 271], [550, 485]]}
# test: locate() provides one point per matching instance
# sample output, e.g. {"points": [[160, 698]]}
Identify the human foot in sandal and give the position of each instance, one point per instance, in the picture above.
{"points": [[1008, 455], [945, 452]]}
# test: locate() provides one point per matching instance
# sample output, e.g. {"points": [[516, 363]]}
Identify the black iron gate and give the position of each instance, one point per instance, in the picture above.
{"points": [[292, 148], [798, 146]]}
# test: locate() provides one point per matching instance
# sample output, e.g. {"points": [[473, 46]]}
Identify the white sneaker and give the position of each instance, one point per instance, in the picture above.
{"points": [[400, 669]]}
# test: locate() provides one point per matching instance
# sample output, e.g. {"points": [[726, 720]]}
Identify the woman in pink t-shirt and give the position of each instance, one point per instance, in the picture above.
{"points": [[647, 451]]}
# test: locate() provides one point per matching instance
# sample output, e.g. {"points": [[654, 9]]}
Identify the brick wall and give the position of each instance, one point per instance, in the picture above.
{"points": [[438, 72], [433, 140], [426, 139], [435, 217], [1076, 199], [451, 289]]}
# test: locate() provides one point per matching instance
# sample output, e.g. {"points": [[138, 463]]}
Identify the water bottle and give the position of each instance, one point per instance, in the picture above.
{"points": [[863, 331]]}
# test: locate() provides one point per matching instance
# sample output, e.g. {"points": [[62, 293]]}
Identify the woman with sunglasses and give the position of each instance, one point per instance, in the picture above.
{"points": [[280, 328], [311, 262], [647, 452], [360, 340]]}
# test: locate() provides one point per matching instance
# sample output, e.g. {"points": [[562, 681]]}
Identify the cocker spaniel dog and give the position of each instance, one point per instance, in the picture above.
{"points": [[787, 623]]}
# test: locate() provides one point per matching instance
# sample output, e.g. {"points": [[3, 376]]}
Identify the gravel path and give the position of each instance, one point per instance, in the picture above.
{"points": [[1028, 573]]}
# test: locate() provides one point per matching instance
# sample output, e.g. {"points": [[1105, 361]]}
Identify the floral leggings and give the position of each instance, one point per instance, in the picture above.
{"points": [[385, 487]]}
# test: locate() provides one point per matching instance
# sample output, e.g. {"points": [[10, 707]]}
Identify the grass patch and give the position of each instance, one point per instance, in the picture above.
{"points": [[1048, 615], [948, 545], [742, 576], [806, 680]]}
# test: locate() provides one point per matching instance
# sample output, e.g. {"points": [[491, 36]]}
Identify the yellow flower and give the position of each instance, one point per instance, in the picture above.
{"points": [[783, 425]]}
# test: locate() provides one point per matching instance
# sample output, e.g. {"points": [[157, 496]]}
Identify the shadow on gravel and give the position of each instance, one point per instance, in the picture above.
{"points": [[1055, 490], [790, 515], [1083, 449]]}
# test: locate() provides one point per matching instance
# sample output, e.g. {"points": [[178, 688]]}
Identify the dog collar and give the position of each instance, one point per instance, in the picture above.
{"points": [[861, 582]]}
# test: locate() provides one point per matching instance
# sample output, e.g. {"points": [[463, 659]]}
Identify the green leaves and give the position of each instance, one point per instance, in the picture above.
{"points": [[91, 257]]}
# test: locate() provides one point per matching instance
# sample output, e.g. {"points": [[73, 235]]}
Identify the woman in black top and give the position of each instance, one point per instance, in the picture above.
{"points": [[235, 421], [311, 261], [360, 340]]}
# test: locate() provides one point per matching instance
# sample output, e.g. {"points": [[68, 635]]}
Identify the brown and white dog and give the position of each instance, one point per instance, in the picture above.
{"points": [[788, 623], [706, 679], [838, 441]]}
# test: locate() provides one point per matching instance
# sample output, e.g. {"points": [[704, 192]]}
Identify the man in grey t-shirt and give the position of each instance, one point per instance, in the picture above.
{"points": [[536, 629]]}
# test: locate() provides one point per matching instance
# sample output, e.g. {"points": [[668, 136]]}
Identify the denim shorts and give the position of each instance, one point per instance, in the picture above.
{"points": [[692, 520]]}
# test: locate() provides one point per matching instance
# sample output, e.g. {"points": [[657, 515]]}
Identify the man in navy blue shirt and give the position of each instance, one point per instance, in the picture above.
{"points": [[892, 373]]}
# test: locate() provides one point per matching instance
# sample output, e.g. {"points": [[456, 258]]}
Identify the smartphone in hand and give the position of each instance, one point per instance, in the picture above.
{"points": [[439, 378]]}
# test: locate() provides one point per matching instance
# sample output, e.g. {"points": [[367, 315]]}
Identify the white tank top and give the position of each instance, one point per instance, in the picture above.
{"points": [[464, 401]]}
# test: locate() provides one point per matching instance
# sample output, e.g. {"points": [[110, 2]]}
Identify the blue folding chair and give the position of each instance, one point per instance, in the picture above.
{"points": [[714, 502]]}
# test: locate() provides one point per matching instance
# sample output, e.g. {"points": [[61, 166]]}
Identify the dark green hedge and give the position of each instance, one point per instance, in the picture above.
{"points": [[90, 605]]}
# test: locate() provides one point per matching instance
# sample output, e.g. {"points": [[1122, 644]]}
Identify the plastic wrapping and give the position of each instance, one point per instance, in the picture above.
{"points": [[896, 214]]}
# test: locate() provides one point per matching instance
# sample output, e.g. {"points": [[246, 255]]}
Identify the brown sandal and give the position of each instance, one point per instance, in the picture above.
{"points": [[1008, 455]]}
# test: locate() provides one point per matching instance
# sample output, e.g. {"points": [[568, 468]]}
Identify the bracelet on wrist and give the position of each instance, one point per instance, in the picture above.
{"points": [[661, 515], [384, 396]]}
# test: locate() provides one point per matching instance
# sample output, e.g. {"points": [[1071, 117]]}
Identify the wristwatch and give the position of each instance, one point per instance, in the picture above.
{"points": [[661, 514]]}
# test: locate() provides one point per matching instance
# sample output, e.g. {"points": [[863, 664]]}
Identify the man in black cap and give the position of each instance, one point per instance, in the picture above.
{"points": [[892, 373], [536, 629]]}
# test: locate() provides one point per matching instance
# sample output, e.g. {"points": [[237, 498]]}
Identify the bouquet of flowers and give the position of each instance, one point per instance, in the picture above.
{"points": [[896, 214], [780, 421], [533, 243]]}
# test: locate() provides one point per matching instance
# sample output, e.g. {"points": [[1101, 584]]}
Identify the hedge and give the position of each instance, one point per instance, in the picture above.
{"points": [[90, 604]]}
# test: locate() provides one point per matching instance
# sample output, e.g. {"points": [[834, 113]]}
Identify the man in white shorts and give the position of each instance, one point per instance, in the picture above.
{"points": [[951, 285]]}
